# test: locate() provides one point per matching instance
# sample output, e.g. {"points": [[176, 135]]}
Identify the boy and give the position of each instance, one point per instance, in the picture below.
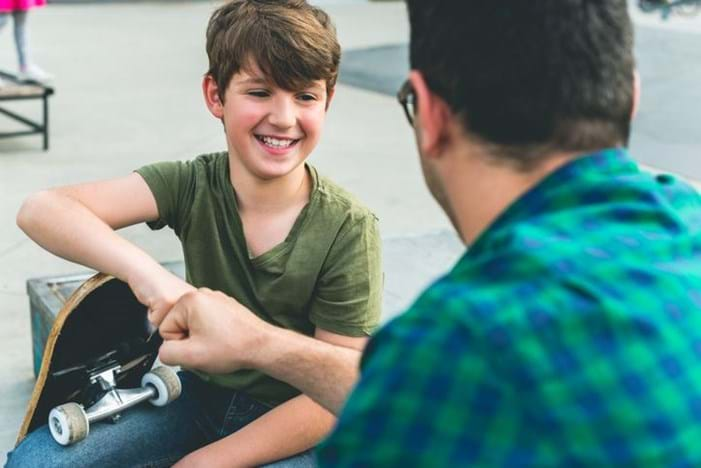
{"points": [[256, 223]]}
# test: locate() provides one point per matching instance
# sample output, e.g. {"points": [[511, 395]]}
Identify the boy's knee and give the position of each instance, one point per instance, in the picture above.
{"points": [[38, 449]]}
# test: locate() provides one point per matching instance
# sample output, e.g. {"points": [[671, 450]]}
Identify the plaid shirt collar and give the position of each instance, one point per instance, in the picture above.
{"points": [[606, 163]]}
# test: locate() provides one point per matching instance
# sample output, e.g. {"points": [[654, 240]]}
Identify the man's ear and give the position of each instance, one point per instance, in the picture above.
{"points": [[637, 89], [210, 89], [329, 97], [432, 117]]}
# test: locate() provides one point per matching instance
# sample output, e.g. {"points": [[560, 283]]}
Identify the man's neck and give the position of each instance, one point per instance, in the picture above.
{"points": [[254, 194], [479, 190]]}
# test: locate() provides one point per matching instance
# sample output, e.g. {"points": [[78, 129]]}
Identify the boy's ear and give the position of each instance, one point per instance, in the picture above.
{"points": [[329, 97], [210, 90]]}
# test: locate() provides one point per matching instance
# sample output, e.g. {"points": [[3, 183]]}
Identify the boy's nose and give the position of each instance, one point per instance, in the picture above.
{"points": [[282, 114]]}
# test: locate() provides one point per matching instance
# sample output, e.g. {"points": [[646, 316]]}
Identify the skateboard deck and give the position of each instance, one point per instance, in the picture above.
{"points": [[101, 340]]}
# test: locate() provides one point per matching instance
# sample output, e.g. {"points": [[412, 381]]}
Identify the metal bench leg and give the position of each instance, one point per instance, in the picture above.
{"points": [[46, 123]]}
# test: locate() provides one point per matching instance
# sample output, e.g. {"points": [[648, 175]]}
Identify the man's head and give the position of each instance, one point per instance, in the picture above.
{"points": [[273, 65], [289, 41], [529, 78]]}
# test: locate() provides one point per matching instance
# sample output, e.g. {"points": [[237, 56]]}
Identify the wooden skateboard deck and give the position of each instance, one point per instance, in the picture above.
{"points": [[100, 325]]}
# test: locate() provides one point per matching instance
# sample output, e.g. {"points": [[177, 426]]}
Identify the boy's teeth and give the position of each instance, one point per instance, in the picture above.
{"points": [[275, 142]]}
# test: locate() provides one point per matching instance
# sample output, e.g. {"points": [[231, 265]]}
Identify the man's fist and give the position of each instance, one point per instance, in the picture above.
{"points": [[209, 331]]}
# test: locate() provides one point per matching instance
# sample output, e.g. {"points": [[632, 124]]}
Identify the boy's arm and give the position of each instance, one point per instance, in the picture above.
{"points": [[78, 223], [293, 427]]}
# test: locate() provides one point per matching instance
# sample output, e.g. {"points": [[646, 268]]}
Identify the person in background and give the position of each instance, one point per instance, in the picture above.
{"points": [[19, 10]]}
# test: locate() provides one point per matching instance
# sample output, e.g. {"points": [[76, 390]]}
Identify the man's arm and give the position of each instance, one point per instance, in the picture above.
{"points": [[325, 372], [291, 428], [210, 331], [78, 223]]}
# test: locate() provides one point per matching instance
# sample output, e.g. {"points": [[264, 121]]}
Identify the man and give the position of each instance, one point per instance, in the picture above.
{"points": [[569, 332]]}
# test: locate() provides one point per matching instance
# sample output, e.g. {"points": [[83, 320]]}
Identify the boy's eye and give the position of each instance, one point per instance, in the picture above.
{"points": [[259, 93], [306, 97]]}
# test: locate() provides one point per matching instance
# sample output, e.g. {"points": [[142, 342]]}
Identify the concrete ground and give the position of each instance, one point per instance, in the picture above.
{"points": [[127, 81]]}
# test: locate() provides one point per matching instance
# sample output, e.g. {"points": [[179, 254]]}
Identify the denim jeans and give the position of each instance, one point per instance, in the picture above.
{"points": [[147, 436]]}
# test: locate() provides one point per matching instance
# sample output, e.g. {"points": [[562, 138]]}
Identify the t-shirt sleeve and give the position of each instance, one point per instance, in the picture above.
{"points": [[172, 185], [348, 295]]}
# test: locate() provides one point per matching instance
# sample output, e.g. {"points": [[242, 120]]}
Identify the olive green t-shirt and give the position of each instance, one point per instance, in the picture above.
{"points": [[326, 273]]}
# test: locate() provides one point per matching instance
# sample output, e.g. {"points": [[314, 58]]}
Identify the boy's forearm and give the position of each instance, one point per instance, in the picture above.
{"points": [[66, 228], [289, 429]]}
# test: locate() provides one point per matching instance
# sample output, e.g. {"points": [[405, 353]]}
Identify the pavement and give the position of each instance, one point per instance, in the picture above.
{"points": [[128, 94], [666, 131]]}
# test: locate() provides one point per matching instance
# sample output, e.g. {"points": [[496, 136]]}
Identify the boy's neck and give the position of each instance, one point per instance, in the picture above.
{"points": [[271, 196]]}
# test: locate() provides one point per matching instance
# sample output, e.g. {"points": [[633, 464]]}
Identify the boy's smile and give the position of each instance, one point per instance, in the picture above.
{"points": [[277, 144], [270, 131]]}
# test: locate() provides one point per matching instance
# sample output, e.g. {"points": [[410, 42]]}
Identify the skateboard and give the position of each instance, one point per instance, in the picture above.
{"points": [[97, 363]]}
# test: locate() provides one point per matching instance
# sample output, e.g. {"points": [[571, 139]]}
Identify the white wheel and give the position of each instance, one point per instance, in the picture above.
{"points": [[166, 382], [68, 424]]}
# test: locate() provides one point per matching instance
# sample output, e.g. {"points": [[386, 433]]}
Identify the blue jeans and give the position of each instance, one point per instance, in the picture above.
{"points": [[147, 436]]}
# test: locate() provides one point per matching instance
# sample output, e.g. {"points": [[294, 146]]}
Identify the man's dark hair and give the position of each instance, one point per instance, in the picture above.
{"points": [[529, 77]]}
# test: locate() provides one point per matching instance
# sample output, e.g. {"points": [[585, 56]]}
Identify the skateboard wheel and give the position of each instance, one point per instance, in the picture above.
{"points": [[166, 382], [68, 423]]}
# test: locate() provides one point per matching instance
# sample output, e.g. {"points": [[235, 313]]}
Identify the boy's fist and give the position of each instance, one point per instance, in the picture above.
{"points": [[158, 290]]}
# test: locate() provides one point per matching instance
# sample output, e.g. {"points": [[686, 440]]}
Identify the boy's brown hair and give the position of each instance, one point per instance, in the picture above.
{"points": [[291, 42]]}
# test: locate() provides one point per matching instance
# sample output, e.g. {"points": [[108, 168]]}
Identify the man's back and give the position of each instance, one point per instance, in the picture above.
{"points": [[568, 334]]}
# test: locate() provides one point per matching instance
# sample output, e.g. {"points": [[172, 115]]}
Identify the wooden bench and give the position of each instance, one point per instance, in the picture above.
{"points": [[15, 90]]}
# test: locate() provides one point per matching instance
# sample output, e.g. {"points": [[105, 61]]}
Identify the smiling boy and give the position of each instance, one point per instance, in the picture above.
{"points": [[255, 222]]}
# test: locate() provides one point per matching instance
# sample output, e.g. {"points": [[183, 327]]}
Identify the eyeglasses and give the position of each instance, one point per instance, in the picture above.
{"points": [[407, 98]]}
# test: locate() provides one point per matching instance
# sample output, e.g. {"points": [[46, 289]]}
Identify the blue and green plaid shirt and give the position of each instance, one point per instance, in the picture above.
{"points": [[568, 335]]}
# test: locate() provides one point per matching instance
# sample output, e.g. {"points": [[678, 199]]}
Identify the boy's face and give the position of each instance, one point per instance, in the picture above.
{"points": [[271, 130]]}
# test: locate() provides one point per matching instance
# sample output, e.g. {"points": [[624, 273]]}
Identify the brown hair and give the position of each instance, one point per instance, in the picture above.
{"points": [[292, 42]]}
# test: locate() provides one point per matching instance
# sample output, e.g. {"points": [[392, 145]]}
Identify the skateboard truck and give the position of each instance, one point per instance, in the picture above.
{"points": [[70, 423]]}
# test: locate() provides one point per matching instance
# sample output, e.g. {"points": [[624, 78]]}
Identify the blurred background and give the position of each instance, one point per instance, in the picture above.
{"points": [[127, 93]]}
